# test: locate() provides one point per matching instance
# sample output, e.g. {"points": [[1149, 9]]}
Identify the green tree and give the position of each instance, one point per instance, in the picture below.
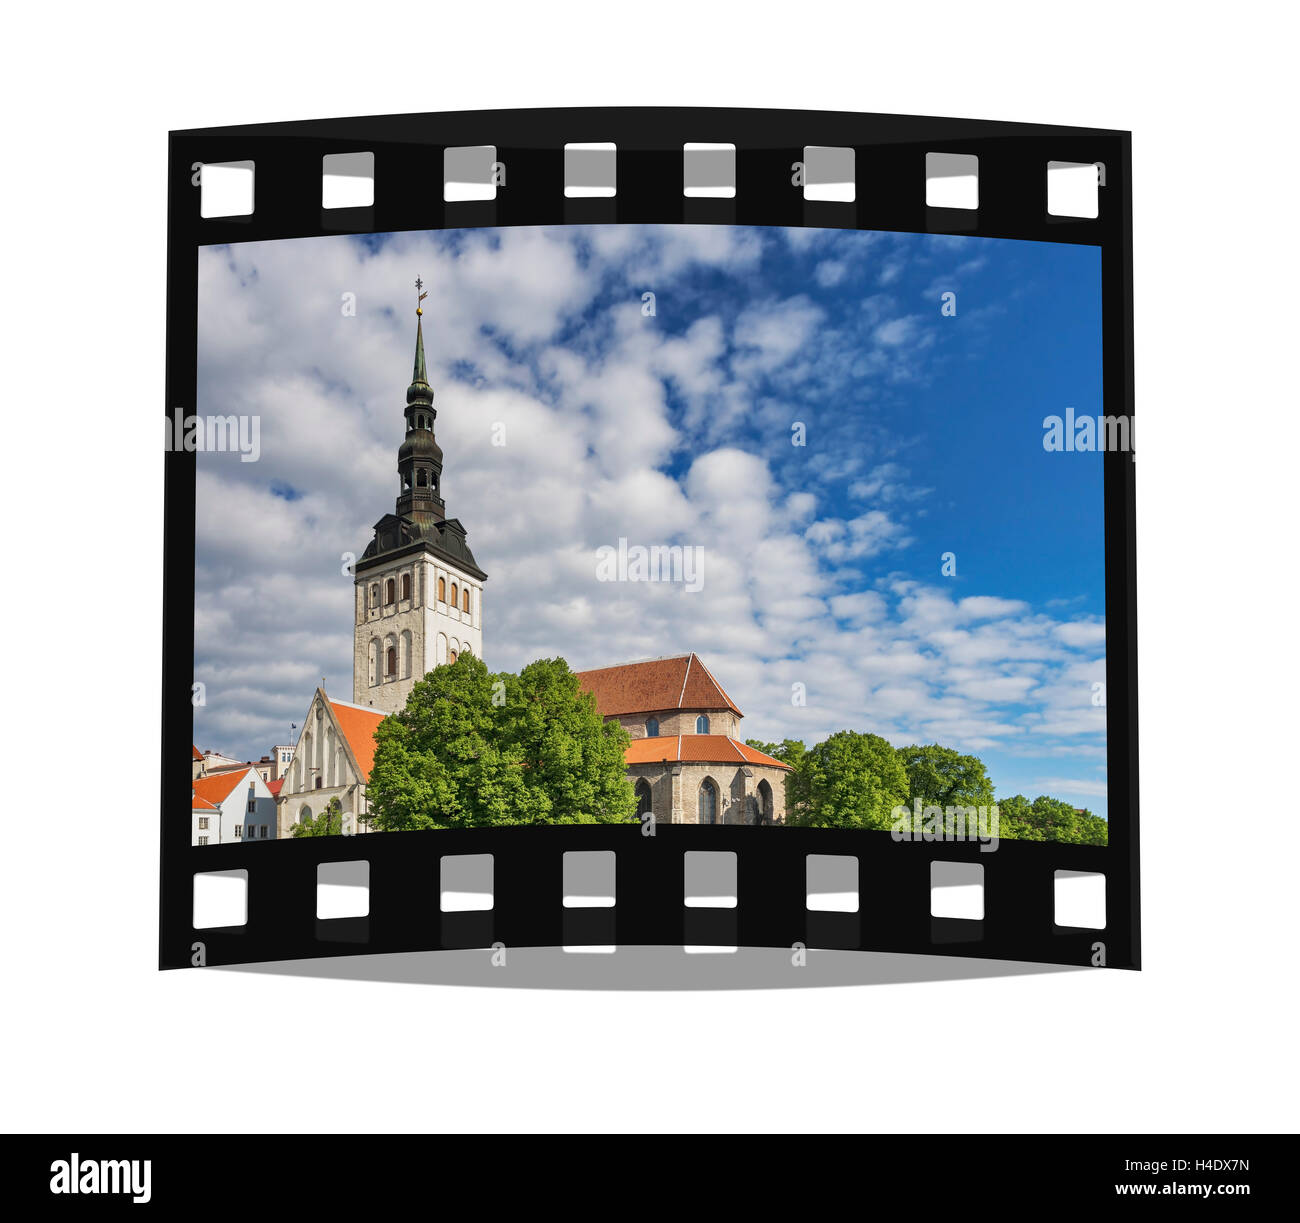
{"points": [[850, 780], [573, 759], [788, 751], [943, 777], [328, 824], [1091, 829], [476, 749], [1049, 819]]}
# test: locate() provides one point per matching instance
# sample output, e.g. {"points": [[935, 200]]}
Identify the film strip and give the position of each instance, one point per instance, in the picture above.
{"points": [[664, 880]]}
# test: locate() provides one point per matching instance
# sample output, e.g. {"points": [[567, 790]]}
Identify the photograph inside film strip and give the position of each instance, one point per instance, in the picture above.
{"points": [[780, 535]]}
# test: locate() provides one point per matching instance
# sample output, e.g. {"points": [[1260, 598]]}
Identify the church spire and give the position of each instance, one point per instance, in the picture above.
{"points": [[420, 376], [419, 459]]}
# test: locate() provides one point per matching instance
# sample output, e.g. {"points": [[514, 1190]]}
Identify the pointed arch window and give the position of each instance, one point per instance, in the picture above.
{"points": [[708, 802], [702, 725], [406, 586], [442, 590], [390, 591], [391, 662]]}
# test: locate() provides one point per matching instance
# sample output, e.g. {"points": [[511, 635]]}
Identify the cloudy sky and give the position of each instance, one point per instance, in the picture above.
{"points": [[822, 562]]}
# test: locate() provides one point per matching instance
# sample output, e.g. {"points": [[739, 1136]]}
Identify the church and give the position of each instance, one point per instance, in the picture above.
{"points": [[418, 604], [685, 760]]}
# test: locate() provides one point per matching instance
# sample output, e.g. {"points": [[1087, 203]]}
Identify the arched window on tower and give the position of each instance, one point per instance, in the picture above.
{"points": [[708, 802], [702, 725], [390, 591], [442, 590], [392, 662], [454, 656], [374, 595], [406, 586], [464, 600], [652, 728], [454, 594]]}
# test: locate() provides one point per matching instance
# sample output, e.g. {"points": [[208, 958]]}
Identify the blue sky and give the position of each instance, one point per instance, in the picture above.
{"points": [[822, 561]]}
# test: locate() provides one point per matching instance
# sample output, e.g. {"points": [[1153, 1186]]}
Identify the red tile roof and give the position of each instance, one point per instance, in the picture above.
{"points": [[656, 685], [198, 755], [216, 786], [275, 786], [201, 804], [697, 749], [358, 727]]}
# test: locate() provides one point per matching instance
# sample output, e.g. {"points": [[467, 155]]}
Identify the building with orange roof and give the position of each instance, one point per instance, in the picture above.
{"points": [[332, 759], [686, 760], [231, 806]]}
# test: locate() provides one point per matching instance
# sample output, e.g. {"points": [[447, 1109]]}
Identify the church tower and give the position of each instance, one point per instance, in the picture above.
{"points": [[419, 592]]}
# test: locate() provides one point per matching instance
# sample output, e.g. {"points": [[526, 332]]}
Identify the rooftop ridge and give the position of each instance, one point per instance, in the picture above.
{"points": [[616, 666]]}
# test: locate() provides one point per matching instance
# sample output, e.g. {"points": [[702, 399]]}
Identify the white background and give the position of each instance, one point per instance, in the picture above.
{"points": [[94, 1037]]}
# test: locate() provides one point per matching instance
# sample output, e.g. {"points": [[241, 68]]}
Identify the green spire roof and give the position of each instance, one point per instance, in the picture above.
{"points": [[421, 373]]}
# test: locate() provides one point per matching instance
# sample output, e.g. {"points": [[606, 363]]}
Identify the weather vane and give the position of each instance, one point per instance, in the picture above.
{"points": [[419, 284]]}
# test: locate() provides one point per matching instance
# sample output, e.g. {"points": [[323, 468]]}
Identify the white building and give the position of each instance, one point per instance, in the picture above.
{"points": [[232, 806]]}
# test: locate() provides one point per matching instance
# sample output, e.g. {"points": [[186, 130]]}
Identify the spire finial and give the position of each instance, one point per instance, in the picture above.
{"points": [[419, 377]]}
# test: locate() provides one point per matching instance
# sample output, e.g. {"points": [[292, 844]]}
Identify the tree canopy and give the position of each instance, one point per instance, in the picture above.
{"points": [[473, 748], [854, 780], [850, 780], [788, 751], [943, 777], [1049, 819]]}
